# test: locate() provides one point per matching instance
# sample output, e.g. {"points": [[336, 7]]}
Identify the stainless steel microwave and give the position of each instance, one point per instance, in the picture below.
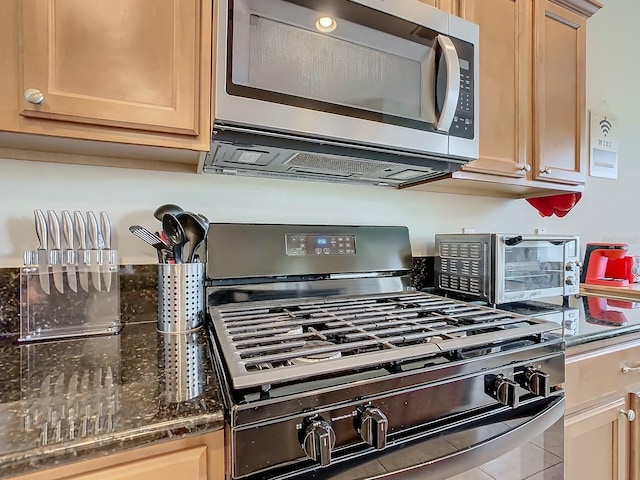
{"points": [[356, 90], [502, 268]]}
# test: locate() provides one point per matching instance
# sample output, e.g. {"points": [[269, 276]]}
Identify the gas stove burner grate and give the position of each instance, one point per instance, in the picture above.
{"points": [[264, 344]]}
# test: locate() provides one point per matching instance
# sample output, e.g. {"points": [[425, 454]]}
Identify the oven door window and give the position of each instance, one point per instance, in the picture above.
{"points": [[341, 57], [533, 265]]}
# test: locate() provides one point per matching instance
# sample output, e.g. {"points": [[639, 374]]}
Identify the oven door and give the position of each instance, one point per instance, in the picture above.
{"points": [[527, 442], [530, 267], [325, 68]]}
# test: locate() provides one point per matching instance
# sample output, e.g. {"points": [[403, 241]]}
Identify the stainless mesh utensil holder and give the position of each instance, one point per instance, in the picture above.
{"points": [[181, 363], [180, 296]]}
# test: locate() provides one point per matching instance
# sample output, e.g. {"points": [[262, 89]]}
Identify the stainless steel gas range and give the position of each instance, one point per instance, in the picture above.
{"points": [[331, 366]]}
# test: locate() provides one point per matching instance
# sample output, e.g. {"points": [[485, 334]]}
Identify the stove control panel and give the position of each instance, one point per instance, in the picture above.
{"points": [[301, 244], [372, 425], [317, 440]]}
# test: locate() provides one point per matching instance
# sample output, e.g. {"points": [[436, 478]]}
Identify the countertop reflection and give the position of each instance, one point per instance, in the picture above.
{"points": [[74, 399], [584, 318]]}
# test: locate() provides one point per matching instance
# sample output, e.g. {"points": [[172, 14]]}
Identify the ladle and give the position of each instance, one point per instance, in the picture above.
{"points": [[166, 208], [194, 230], [175, 235]]}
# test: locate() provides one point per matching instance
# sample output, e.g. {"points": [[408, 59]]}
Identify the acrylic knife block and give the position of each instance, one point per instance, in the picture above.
{"points": [[64, 314]]}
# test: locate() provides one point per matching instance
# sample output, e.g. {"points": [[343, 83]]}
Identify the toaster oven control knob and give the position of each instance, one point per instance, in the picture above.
{"points": [[571, 280], [503, 389], [570, 266], [372, 425], [537, 382], [318, 441]]}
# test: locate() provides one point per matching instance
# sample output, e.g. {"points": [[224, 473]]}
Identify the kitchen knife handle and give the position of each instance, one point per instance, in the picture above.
{"points": [[81, 229], [95, 237], [105, 223], [41, 229], [67, 229], [54, 229]]}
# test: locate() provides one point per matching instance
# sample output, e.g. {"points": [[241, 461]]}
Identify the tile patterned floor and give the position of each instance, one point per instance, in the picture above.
{"points": [[536, 460]]}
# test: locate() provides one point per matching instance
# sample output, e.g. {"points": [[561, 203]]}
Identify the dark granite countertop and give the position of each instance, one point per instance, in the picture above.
{"points": [[601, 319], [75, 399], [70, 400], [585, 318]]}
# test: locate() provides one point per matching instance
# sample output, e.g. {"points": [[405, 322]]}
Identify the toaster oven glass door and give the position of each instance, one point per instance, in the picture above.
{"points": [[345, 58], [533, 265]]}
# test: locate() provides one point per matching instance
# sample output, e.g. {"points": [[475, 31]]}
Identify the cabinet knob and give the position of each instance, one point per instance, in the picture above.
{"points": [[630, 414], [525, 167], [33, 95], [546, 170]]}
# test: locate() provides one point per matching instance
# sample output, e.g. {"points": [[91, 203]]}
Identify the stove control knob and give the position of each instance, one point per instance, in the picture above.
{"points": [[504, 390], [318, 441], [536, 381], [570, 281], [372, 425]]}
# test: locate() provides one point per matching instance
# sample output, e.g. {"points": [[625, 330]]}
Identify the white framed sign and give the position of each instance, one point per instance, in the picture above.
{"points": [[604, 146]]}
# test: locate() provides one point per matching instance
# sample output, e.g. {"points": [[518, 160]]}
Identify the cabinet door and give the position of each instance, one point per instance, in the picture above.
{"points": [[124, 63], [446, 5], [634, 438], [188, 464], [505, 36], [559, 148], [596, 441]]}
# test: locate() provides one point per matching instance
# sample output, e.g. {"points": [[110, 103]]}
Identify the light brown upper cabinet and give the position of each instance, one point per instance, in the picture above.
{"points": [[450, 6], [559, 129], [126, 63], [505, 29], [532, 98], [134, 72]]}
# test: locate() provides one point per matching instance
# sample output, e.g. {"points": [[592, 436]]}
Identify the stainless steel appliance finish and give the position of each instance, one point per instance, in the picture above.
{"points": [[386, 95], [500, 268], [383, 383]]}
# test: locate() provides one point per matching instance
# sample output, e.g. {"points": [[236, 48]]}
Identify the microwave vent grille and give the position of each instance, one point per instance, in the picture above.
{"points": [[337, 164]]}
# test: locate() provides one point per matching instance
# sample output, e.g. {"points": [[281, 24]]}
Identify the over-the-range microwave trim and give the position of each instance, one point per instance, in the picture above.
{"points": [[260, 136]]}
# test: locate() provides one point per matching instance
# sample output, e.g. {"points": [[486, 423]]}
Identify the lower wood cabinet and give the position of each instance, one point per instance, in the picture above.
{"points": [[194, 458], [602, 433], [596, 443]]}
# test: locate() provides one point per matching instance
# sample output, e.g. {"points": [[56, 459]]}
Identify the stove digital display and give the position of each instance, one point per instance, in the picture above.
{"points": [[302, 244]]}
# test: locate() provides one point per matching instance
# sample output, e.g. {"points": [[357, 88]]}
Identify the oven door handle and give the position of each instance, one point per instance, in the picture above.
{"points": [[480, 453]]}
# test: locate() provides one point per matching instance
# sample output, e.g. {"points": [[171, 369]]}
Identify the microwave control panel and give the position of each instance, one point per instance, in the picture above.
{"points": [[463, 120]]}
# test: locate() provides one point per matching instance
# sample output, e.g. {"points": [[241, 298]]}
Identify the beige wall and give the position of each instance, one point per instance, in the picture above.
{"points": [[606, 212]]}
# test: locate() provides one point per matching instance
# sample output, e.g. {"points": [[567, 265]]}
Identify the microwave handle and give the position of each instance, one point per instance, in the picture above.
{"points": [[452, 62]]}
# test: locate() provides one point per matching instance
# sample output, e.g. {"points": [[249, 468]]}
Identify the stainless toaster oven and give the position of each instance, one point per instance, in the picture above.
{"points": [[501, 268]]}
